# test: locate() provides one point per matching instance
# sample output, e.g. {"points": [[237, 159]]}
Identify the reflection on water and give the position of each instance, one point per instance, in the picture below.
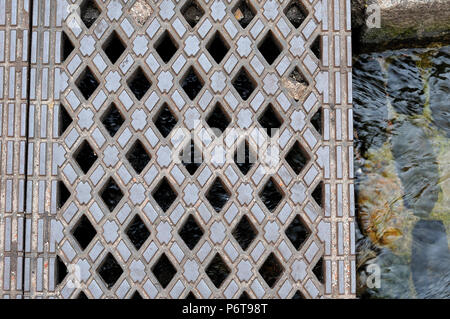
{"points": [[402, 123]]}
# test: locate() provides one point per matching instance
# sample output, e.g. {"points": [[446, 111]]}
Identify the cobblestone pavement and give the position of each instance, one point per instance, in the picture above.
{"points": [[121, 125]]}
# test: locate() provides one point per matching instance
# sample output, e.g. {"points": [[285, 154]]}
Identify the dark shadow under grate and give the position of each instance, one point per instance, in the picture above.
{"points": [[318, 270], [316, 47], [244, 84], [191, 158], [192, 12], [270, 120], [217, 195], [64, 119], [218, 47], [137, 232], [296, 13], [316, 121], [166, 47], [112, 119], [89, 12], [297, 158], [138, 156], [113, 47], [164, 194], [165, 120], [139, 84], [63, 194], [244, 233], [297, 232], [60, 270], [271, 195], [270, 48], [317, 194], [85, 156], [271, 270], [298, 295], [84, 232], [244, 157], [136, 296], [163, 270], [244, 13], [191, 83], [111, 194], [218, 119], [217, 271], [191, 232], [87, 83], [110, 270], [66, 46]]}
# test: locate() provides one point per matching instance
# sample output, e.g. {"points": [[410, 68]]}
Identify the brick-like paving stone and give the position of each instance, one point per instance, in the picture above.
{"points": [[96, 110]]}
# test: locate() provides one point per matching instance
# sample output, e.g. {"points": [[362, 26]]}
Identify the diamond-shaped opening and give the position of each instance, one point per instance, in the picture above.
{"points": [[192, 12], [297, 232], [190, 296], [164, 194], [217, 270], [60, 270], [271, 195], [87, 83], [191, 83], [297, 77], [271, 270], [82, 295], [166, 47], [218, 120], [316, 47], [318, 270], [191, 232], [66, 46], [191, 157], [138, 156], [298, 295], [64, 119], [244, 84], [113, 47], [111, 194], [297, 158], [165, 121], [270, 48], [244, 13], [244, 157], [89, 12], [112, 119], [244, 296], [137, 232], [296, 13], [63, 194], [110, 270], [217, 195], [85, 156], [270, 120], [317, 194], [218, 47], [84, 232], [244, 232], [163, 270], [316, 121], [139, 83], [136, 295]]}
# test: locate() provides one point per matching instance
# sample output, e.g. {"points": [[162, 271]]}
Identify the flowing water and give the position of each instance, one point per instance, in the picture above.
{"points": [[402, 164]]}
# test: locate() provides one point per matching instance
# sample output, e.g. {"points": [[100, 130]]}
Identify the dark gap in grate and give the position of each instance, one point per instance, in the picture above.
{"points": [[63, 194], [297, 158], [138, 156], [137, 232], [244, 296], [165, 120], [111, 194], [66, 46], [87, 83], [298, 77], [190, 296], [191, 158], [60, 269], [217, 195], [64, 119], [244, 233], [136, 295], [271, 270], [166, 47], [82, 295], [316, 121], [84, 232], [244, 13], [89, 12], [316, 48], [244, 84], [270, 120], [297, 232], [112, 119], [192, 12], [191, 232], [270, 48], [296, 13], [113, 47], [271, 195], [218, 118], [317, 194], [191, 83], [318, 270], [217, 271], [85, 156], [244, 157], [163, 270], [298, 295], [164, 194], [110, 270], [218, 47], [138, 83]]}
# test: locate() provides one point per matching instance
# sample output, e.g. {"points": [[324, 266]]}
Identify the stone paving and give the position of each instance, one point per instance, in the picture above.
{"points": [[121, 123]]}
